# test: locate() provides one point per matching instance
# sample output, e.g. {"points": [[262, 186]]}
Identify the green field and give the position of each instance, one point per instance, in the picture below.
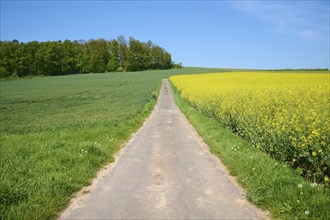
{"points": [[56, 132]]}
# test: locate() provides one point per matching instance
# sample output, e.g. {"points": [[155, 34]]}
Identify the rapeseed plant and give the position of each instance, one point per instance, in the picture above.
{"points": [[285, 115]]}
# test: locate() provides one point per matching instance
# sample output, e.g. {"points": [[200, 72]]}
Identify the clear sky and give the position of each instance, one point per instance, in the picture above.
{"points": [[225, 34]]}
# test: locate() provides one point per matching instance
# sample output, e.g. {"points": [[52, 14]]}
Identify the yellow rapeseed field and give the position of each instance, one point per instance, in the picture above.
{"points": [[285, 114]]}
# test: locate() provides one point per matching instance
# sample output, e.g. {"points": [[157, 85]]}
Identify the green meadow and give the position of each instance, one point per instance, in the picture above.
{"points": [[57, 132]]}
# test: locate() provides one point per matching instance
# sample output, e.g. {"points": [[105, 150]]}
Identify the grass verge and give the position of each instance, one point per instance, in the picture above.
{"points": [[268, 183]]}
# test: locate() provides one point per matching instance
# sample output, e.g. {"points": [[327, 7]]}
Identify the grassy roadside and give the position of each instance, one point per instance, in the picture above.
{"points": [[269, 184]]}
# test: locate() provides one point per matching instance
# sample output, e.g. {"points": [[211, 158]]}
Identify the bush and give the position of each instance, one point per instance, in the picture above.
{"points": [[3, 72]]}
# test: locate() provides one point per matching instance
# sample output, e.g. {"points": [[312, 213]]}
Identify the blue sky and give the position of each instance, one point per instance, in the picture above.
{"points": [[226, 34]]}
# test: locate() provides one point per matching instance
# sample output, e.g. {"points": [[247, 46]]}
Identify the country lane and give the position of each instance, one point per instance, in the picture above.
{"points": [[164, 172]]}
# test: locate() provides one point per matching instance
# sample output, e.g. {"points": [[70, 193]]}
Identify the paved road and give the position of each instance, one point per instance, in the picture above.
{"points": [[164, 172]]}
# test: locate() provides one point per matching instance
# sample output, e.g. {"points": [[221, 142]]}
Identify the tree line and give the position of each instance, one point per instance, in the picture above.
{"points": [[73, 57], [301, 69]]}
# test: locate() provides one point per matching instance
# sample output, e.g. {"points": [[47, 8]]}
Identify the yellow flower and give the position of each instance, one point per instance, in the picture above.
{"points": [[326, 179], [272, 109]]}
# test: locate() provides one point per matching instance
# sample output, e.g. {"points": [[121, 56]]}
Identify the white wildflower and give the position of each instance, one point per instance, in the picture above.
{"points": [[313, 184]]}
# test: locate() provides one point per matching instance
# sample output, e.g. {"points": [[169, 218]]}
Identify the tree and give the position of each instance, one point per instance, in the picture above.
{"points": [[138, 58], [58, 58], [160, 58], [69, 57], [123, 51], [8, 56], [3, 72], [114, 61], [99, 55]]}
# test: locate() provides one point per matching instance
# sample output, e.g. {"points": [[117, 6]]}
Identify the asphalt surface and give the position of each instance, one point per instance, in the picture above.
{"points": [[164, 172]]}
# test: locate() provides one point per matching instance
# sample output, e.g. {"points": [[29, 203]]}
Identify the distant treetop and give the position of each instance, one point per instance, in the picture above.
{"points": [[73, 57]]}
